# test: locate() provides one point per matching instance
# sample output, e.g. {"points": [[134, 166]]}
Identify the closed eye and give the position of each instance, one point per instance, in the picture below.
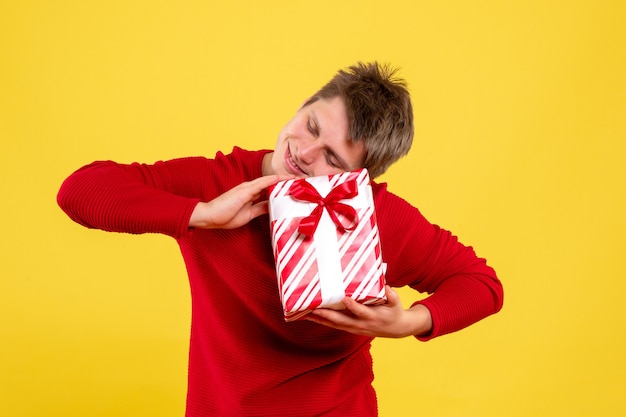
{"points": [[332, 160], [313, 128]]}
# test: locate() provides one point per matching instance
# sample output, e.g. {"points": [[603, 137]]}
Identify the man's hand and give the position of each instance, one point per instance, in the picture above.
{"points": [[386, 320], [236, 207]]}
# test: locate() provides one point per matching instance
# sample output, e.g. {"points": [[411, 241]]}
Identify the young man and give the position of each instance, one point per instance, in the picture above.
{"points": [[245, 360]]}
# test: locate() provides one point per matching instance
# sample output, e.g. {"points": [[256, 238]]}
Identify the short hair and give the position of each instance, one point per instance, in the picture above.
{"points": [[380, 114]]}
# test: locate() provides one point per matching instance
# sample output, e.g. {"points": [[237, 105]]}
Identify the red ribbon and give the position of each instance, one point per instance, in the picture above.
{"points": [[302, 190]]}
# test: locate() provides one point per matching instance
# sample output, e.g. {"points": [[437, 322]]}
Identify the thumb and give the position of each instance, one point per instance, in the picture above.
{"points": [[392, 296], [258, 209]]}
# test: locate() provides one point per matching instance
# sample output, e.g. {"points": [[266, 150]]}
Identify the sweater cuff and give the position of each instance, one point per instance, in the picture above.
{"points": [[435, 330], [187, 209], [459, 303]]}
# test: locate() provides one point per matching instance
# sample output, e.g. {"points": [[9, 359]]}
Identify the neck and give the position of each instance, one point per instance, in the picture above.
{"points": [[266, 168]]}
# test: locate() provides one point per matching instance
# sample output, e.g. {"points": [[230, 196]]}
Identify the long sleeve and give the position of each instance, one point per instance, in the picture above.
{"points": [[135, 198], [463, 288], [150, 198]]}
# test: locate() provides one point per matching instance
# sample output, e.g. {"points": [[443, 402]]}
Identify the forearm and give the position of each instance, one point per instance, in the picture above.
{"points": [[199, 216], [420, 322], [460, 302], [114, 197]]}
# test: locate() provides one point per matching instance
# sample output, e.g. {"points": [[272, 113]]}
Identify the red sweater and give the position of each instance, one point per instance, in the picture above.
{"points": [[245, 360]]}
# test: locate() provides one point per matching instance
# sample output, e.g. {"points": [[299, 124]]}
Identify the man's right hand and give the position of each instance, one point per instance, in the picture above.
{"points": [[236, 207]]}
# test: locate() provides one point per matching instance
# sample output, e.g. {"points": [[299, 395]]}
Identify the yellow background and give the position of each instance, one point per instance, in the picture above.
{"points": [[520, 150]]}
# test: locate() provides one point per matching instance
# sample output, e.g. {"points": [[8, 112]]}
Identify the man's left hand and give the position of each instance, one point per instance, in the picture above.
{"points": [[385, 320]]}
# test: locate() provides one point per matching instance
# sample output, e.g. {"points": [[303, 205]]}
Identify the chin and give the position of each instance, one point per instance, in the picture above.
{"points": [[278, 167]]}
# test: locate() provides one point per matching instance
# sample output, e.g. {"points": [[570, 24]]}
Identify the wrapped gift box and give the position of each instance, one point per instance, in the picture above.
{"points": [[325, 242]]}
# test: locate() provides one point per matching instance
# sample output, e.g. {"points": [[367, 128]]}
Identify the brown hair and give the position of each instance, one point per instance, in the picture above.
{"points": [[379, 111]]}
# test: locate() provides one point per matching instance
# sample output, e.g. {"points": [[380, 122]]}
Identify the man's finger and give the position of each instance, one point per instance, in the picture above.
{"points": [[258, 209], [265, 181], [392, 296], [356, 308]]}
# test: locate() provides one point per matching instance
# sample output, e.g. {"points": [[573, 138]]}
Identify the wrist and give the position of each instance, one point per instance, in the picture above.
{"points": [[421, 322], [199, 217]]}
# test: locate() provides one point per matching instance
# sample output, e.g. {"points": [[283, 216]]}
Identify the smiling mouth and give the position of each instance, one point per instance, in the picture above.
{"points": [[292, 165]]}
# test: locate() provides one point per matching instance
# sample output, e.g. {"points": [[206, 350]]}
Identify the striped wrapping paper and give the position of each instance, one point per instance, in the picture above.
{"points": [[323, 250]]}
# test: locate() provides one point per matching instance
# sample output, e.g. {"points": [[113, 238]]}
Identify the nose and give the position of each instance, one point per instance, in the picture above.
{"points": [[309, 150]]}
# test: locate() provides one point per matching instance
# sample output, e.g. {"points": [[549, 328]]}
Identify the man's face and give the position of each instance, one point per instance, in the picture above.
{"points": [[315, 142]]}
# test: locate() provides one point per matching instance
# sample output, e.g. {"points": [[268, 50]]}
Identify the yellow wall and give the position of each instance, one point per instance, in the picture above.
{"points": [[521, 150]]}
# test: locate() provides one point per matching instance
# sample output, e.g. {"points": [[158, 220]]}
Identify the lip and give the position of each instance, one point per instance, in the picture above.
{"points": [[291, 164]]}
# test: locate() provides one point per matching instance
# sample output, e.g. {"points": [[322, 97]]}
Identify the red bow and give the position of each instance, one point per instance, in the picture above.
{"points": [[302, 190]]}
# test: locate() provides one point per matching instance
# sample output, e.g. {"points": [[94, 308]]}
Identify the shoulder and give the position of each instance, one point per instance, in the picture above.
{"points": [[389, 204], [398, 220], [239, 164], [248, 162]]}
